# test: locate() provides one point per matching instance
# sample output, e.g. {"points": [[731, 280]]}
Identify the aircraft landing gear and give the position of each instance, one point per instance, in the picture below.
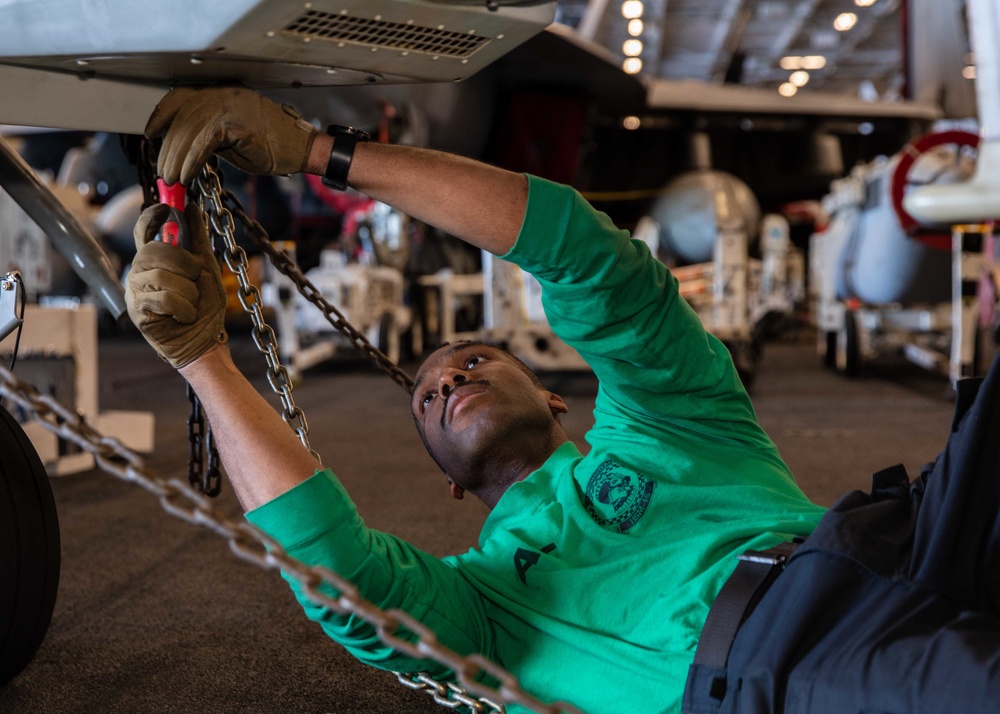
{"points": [[847, 354], [29, 550]]}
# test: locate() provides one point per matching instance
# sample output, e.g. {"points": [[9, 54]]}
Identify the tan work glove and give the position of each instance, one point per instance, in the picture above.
{"points": [[244, 128], [175, 296]]}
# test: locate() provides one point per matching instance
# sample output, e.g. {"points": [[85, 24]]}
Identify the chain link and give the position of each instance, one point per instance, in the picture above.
{"points": [[448, 694], [203, 458], [208, 187], [145, 160], [286, 266], [323, 587]]}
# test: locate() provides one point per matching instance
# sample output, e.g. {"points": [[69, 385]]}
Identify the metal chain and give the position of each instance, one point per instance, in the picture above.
{"points": [[145, 160], [322, 586], [285, 265], [203, 469], [208, 187], [212, 483], [449, 694], [203, 459]]}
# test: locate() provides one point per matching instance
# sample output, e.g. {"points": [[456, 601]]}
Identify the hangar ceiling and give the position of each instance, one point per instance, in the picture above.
{"points": [[744, 41]]}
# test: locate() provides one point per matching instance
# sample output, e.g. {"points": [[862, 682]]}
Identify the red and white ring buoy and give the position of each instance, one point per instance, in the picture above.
{"points": [[907, 158]]}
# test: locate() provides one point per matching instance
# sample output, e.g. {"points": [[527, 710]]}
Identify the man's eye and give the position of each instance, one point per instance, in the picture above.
{"points": [[472, 362], [427, 398]]}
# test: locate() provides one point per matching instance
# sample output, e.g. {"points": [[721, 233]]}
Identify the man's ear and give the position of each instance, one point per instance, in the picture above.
{"points": [[556, 404], [457, 492]]}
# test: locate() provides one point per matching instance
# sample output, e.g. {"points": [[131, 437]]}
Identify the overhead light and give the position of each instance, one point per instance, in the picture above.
{"points": [[969, 71], [845, 21], [635, 27], [631, 123], [864, 3], [632, 9], [792, 62], [632, 65], [799, 78], [632, 48], [787, 89], [865, 128]]}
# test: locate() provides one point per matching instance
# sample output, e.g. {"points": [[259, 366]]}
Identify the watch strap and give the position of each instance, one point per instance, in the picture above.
{"points": [[345, 139]]}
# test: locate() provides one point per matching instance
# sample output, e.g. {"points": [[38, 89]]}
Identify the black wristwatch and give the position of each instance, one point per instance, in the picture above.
{"points": [[345, 138]]}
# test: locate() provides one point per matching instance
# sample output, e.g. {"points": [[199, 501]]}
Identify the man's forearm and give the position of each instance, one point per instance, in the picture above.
{"points": [[481, 204], [262, 456]]}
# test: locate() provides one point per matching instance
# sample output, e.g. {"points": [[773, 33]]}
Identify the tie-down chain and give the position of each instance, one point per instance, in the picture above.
{"points": [[283, 263], [208, 188], [322, 586]]}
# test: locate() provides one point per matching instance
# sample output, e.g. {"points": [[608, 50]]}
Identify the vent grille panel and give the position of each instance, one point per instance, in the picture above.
{"points": [[378, 33]]}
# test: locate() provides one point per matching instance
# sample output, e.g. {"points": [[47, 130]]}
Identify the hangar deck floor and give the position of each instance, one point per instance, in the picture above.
{"points": [[154, 614]]}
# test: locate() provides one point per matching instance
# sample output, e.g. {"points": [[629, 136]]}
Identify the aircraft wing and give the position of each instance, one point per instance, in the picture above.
{"points": [[75, 64]]}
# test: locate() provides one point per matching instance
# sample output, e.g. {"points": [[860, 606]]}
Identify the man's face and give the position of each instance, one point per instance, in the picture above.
{"points": [[471, 402]]}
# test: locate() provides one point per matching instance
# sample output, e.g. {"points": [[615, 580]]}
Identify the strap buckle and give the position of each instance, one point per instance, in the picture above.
{"points": [[763, 557], [777, 555], [737, 599]]}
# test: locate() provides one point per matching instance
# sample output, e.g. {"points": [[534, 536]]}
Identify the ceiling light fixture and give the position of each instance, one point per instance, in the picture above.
{"points": [[790, 62], [632, 65], [864, 3], [813, 62], [632, 9], [635, 27], [969, 71], [787, 89], [845, 21], [631, 123], [632, 48], [799, 78]]}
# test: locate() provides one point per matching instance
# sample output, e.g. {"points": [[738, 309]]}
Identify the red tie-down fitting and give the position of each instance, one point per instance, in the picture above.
{"points": [[173, 230]]}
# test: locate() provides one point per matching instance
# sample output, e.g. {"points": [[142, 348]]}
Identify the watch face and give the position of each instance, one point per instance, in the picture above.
{"points": [[338, 129]]}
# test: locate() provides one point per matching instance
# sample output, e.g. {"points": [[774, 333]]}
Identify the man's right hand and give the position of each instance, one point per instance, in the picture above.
{"points": [[175, 296], [244, 128]]}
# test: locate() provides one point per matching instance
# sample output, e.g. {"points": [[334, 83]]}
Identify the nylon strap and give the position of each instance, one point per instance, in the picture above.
{"points": [[736, 601]]}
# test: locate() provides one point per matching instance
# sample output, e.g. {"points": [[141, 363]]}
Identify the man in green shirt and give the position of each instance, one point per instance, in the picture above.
{"points": [[594, 575]]}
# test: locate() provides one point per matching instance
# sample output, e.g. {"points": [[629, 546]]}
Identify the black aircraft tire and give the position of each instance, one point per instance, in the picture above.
{"points": [[29, 550], [848, 357], [828, 348]]}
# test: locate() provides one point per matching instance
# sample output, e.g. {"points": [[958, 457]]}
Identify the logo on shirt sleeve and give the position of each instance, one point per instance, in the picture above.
{"points": [[617, 498]]}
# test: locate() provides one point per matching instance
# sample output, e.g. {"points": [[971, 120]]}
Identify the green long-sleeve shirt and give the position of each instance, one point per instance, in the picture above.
{"points": [[593, 576]]}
